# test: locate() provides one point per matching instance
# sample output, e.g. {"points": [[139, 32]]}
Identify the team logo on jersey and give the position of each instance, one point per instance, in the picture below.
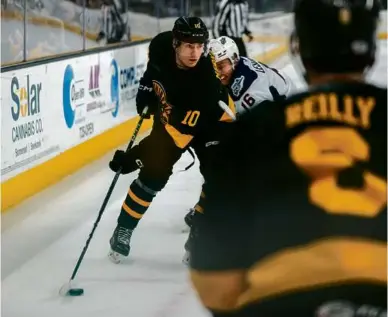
{"points": [[166, 107], [238, 85]]}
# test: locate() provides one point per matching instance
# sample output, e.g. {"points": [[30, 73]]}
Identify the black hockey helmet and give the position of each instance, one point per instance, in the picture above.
{"points": [[335, 36], [190, 30]]}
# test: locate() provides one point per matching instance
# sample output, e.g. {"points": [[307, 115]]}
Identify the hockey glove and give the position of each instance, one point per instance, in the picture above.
{"points": [[146, 98], [126, 161]]}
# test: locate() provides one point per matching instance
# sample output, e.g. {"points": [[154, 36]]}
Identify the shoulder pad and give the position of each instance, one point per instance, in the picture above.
{"points": [[243, 78]]}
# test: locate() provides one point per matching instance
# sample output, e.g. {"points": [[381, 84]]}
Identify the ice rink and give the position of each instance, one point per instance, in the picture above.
{"points": [[43, 237]]}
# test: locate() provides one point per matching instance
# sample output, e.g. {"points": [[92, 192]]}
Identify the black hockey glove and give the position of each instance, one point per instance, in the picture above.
{"points": [[127, 161], [146, 97], [275, 94]]}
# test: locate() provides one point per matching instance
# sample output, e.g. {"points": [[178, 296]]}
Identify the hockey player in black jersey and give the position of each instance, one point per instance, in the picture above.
{"points": [[181, 88], [295, 218]]}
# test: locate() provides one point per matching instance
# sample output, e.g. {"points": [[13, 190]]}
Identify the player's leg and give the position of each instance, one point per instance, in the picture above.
{"points": [[158, 155], [196, 209], [189, 220]]}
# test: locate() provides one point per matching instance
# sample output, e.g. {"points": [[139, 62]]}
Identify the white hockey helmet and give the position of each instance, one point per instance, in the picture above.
{"points": [[224, 48]]}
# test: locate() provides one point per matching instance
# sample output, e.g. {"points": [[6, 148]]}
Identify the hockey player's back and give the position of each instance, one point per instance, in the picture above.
{"points": [[306, 206], [308, 181], [295, 216], [322, 151]]}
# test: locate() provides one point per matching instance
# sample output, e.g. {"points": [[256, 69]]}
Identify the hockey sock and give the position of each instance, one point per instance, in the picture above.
{"points": [[198, 207], [135, 205]]}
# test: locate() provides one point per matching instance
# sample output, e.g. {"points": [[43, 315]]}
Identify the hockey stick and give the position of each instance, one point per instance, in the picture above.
{"points": [[225, 107], [67, 289]]}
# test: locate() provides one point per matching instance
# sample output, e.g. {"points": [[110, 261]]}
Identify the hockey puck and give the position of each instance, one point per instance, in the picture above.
{"points": [[75, 292]]}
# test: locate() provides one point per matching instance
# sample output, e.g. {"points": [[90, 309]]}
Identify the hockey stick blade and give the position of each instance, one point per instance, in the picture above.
{"points": [[68, 289], [225, 107]]}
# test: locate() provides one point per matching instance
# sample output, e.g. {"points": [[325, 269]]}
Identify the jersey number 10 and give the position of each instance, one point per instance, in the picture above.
{"points": [[191, 118], [323, 153]]}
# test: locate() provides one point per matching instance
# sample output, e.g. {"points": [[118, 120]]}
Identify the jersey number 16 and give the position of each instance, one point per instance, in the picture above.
{"points": [[248, 101]]}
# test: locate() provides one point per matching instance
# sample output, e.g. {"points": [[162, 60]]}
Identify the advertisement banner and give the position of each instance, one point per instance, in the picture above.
{"points": [[26, 121], [48, 109]]}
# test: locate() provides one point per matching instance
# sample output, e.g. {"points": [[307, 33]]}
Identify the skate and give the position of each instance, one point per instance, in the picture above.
{"points": [[188, 244], [119, 244], [186, 256], [189, 220]]}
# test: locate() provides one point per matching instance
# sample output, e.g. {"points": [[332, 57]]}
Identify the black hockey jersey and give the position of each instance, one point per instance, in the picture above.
{"points": [[310, 176], [188, 98]]}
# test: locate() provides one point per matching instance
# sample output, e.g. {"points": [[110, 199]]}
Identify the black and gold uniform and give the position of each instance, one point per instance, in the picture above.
{"points": [[184, 103], [297, 199]]}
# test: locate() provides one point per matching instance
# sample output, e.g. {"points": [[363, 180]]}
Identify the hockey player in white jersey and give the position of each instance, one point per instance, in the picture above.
{"points": [[250, 83]]}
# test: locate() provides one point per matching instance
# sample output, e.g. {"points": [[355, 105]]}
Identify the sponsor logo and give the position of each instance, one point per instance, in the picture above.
{"points": [[73, 94], [25, 108], [114, 87], [129, 81]]}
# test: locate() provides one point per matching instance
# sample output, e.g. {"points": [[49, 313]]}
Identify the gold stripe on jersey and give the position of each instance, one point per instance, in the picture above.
{"points": [[181, 140], [351, 110], [318, 264]]}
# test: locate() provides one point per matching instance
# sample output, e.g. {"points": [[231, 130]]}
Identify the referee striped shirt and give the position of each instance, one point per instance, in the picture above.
{"points": [[231, 18]]}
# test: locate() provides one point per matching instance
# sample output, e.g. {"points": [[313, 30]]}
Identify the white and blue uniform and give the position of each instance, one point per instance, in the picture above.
{"points": [[254, 82]]}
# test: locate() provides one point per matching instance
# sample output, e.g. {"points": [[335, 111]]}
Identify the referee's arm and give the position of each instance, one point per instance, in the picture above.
{"points": [[221, 17]]}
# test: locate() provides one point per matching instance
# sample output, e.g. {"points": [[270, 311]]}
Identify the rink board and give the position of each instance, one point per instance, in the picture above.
{"points": [[58, 116], [65, 114]]}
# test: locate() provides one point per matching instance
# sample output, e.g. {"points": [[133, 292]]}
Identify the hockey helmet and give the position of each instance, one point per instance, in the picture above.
{"points": [[224, 48], [190, 30], [335, 36]]}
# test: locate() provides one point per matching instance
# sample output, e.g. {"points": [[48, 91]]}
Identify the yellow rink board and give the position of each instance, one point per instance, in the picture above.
{"points": [[28, 183]]}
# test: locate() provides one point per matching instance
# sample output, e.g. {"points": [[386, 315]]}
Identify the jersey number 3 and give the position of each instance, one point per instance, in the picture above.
{"points": [[323, 153]]}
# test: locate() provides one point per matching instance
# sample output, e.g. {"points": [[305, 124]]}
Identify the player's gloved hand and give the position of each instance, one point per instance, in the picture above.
{"points": [[275, 94], [150, 111], [146, 98], [126, 161]]}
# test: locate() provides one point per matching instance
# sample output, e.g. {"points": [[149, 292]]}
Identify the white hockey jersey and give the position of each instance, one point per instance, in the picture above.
{"points": [[254, 82]]}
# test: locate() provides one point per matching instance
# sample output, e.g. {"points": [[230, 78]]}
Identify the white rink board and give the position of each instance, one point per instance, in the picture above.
{"points": [[49, 108]]}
